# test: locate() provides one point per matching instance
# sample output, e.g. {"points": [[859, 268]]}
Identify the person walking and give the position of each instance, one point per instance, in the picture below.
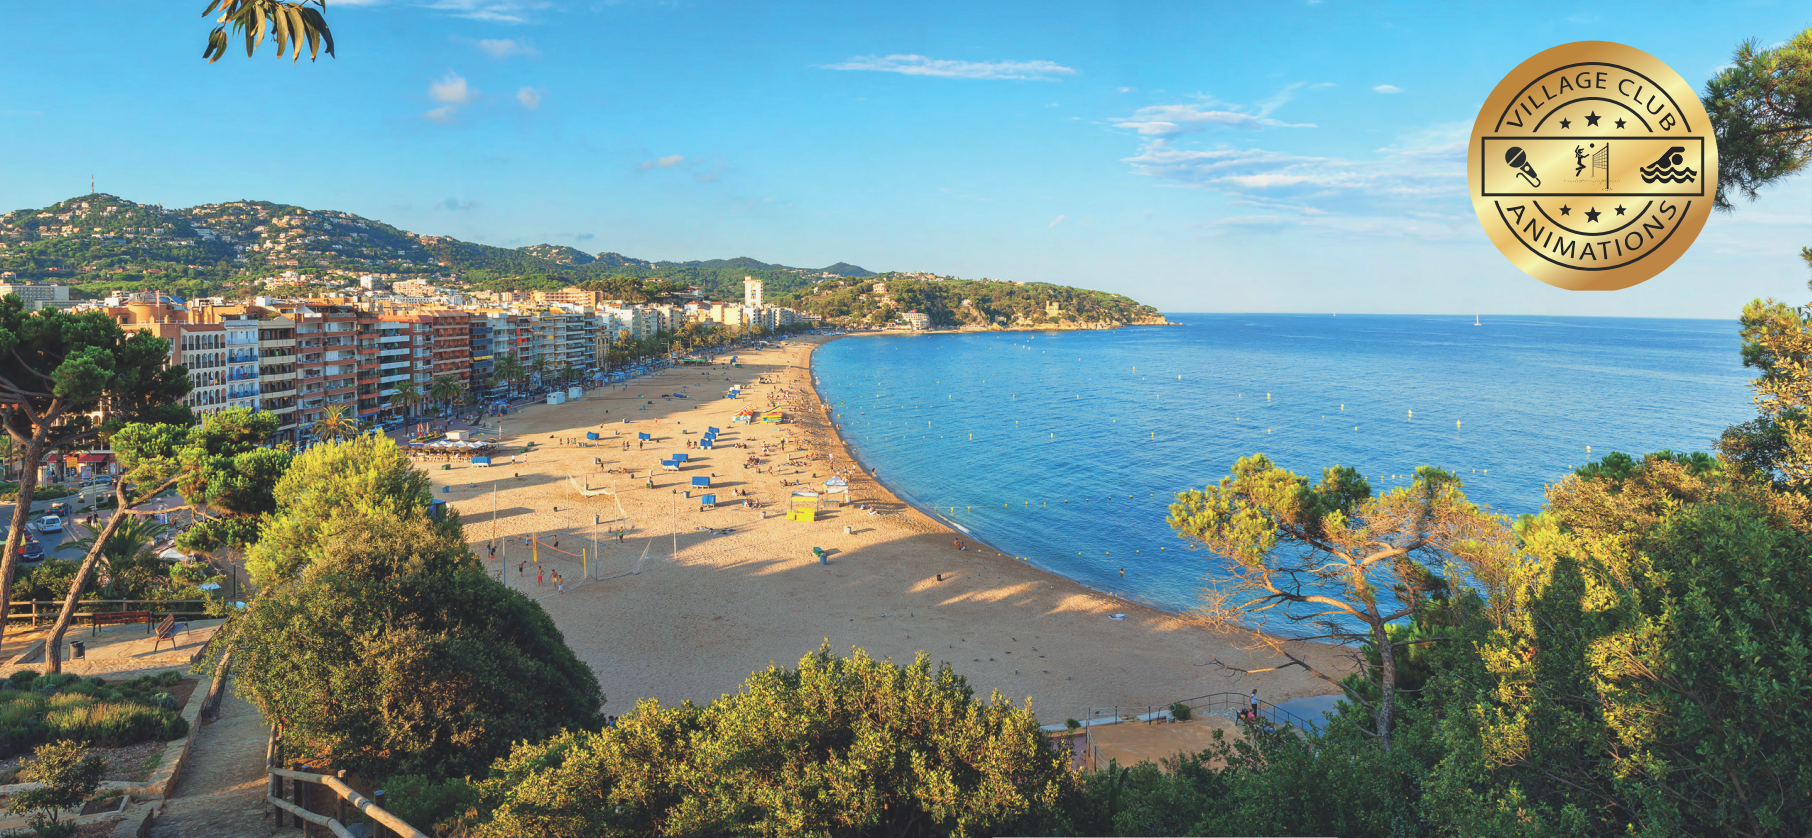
{"points": [[540, 573], [522, 569], [1255, 704]]}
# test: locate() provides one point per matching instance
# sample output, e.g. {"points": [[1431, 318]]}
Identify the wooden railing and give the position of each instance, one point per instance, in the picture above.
{"points": [[300, 789], [35, 610]]}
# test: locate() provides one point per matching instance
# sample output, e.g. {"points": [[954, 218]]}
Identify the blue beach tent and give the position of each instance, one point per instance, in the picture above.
{"points": [[710, 430], [680, 458], [703, 482], [707, 500], [591, 435], [643, 436]]}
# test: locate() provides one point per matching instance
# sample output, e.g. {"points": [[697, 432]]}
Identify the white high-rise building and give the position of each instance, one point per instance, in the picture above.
{"points": [[751, 292]]}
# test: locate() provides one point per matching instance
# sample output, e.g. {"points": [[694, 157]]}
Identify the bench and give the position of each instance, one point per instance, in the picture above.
{"points": [[120, 618], [167, 630]]}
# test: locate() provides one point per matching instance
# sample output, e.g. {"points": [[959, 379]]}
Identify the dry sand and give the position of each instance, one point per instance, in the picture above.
{"points": [[692, 624]]}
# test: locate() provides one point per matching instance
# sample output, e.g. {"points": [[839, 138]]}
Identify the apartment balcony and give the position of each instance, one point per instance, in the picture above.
{"points": [[277, 343]]}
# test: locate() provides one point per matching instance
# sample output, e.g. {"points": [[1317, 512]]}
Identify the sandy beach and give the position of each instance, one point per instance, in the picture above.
{"points": [[676, 612]]}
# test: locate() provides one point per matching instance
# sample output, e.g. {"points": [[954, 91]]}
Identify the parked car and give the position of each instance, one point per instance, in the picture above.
{"points": [[33, 551], [59, 509], [50, 523]]}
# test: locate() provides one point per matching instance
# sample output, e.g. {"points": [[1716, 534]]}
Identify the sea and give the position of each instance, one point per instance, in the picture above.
{"points": [[1065, 448]]}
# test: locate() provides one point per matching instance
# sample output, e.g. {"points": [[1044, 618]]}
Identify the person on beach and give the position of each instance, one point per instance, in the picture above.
{"points": [[1255, 704], [540, 573], [522, 569]]}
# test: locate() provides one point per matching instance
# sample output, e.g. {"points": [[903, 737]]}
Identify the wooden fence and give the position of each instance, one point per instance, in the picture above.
{"points": [[38, 610], [293, 791]]}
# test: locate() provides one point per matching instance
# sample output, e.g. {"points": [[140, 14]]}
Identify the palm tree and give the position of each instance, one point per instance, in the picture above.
{"points": [[335, 423], [131, 568], [446, 390], [406, 397], [539, 368], [509, 370]]}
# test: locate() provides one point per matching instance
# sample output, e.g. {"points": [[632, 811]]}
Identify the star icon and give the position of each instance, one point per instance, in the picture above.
{"points": [[1619, 123], [1565, 209], [1620, 210], [1592, 118], [1592, 215], [1565, 123]]}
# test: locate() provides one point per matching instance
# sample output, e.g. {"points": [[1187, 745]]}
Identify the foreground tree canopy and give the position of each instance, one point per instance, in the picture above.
{"points": [[394, 652], [837, 747]]}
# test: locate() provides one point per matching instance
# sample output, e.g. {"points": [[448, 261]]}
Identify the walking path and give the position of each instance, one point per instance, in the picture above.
{"points": [[221, 791]]}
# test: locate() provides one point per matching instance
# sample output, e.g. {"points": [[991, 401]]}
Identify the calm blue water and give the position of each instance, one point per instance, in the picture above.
{"points": [[1115, 423]]}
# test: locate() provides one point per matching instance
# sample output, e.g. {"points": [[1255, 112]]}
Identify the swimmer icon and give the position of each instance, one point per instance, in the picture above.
{"points": [[1518, 160]]}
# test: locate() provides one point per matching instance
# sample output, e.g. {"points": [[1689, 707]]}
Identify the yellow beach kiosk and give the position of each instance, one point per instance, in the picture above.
{"points": [[802, 506]]}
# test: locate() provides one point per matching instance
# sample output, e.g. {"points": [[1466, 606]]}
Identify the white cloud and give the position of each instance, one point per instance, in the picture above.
{"points": [[1058, 220], [495, 11], [443, 114], [1387, 88], [452, 90], [667, 162], [501, 48], [1416, 186], [919, 65], [1168, 120], [529, 97]]}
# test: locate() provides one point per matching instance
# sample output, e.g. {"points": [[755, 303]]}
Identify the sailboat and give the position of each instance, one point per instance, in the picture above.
{"points": [[1475, 319]]}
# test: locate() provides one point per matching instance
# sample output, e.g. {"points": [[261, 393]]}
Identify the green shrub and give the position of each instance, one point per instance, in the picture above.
{"points": [[111, 725], [426, 804], [1180, 711], [22, 679], [53, 683]]}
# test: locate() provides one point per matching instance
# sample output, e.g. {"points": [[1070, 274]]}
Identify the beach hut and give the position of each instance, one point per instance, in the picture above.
{"points": [[682, 457], [670, 465], [802, 506], [702, 482], [481, 461], [707, 500], [556, 398], [710, 430], [574, 392]]}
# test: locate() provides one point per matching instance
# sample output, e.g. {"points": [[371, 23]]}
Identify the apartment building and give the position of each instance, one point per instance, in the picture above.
{"points": [[452, 345], [38, 295], [277, 371], [395, 361], [327, 358]]}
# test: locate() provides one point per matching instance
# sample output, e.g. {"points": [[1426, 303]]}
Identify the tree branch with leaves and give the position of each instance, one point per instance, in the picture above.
{"points": [[1336, 558], [289, 24]]}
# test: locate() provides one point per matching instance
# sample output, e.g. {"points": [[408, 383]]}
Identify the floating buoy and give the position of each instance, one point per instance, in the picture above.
{"points": [[1412, 414], [1456, 423]]}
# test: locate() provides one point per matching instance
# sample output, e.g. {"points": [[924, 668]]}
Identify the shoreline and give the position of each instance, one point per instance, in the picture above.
{"points": [[694, 597], [910, 501]]}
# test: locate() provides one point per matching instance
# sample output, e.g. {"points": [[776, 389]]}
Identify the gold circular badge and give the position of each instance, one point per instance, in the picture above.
{"points": [[1593, 166]]}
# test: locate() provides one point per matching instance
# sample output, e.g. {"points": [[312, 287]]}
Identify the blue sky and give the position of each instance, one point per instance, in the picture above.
{"points": [[1211, 156]]}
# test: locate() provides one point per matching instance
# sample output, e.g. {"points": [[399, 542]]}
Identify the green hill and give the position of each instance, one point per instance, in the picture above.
{"points": [[101, 243]]}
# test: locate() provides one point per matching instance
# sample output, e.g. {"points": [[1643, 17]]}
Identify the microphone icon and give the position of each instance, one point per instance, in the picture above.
{"points": [[1518, 160]]}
